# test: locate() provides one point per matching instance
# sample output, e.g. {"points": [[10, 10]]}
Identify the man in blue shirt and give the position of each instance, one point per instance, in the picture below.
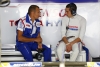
{"points": [[28, 35]]}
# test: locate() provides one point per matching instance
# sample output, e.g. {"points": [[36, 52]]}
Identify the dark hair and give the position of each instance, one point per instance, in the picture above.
{"points": [[32, 8], [72, 6]]}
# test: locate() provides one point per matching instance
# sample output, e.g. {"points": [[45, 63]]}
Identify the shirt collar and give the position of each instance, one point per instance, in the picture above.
{"points": [[31, 20], [28, 19], [73, 17]]}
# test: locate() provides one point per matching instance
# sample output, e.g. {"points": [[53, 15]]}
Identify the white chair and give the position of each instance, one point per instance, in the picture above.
{"points": [[11, 55]]}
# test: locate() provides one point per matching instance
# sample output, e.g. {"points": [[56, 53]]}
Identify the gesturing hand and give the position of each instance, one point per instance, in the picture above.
{"points": [[38, 39]]}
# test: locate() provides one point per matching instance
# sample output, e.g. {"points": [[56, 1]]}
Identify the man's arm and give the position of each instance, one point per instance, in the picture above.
{"points": [[75, 41], [39, 43], [82, 32], [20, 36], [39, 37], [65, 40], [81, 35], [63, 30], [24, 39]]}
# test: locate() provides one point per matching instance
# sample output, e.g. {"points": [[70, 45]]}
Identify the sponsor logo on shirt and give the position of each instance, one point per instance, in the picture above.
{"points": [[28, 25], [73, 28]]}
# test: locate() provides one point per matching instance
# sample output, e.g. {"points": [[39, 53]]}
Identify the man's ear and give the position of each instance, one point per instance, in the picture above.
{"points": [[33, 12]]}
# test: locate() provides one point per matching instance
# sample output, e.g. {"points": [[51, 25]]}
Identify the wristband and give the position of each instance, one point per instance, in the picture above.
{"points": [[67, 43]]}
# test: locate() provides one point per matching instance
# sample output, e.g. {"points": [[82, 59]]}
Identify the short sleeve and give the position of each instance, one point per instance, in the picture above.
{"points": [[20, 26]]}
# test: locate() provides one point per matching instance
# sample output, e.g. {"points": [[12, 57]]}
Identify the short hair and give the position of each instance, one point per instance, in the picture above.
{"points": [[72, 6], [32, 8]]}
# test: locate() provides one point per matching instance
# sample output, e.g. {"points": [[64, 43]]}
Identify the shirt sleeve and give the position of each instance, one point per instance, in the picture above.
{"points": [[82, 29], [63, 29], [38, 25], [20, 26]]}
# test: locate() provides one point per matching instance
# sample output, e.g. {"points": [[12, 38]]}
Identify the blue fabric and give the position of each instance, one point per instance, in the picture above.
{"points": [[26, 47], [27, 32], [87, 52]]}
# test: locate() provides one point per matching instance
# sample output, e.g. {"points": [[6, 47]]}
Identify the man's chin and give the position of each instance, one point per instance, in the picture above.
{"points": [[37, 18]]}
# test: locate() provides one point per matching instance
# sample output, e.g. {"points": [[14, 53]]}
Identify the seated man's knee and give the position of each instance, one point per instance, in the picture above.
{"points": [[76, 51], [61, 43], [47, 54], [49, 50], [57, 51], [61, 46]]}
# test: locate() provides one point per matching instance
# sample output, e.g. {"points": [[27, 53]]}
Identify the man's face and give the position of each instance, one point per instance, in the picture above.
{"points": [[68, 12], [36, 13]]}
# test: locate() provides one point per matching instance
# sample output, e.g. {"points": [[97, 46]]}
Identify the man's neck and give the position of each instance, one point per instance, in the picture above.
{"points": [[71, 16], [32, 19]]}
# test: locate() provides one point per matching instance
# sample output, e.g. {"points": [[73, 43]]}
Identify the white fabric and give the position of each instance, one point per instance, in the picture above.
{"points": [[77, 23], [77, 26], [61, 50], [20, 26], [27, 25]]}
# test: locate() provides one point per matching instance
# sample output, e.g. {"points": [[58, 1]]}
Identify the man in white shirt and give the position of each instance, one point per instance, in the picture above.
{"points": [[73, 25]]}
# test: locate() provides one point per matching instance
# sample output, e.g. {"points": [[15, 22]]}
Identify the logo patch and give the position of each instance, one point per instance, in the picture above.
{"points": [[73, 28]]}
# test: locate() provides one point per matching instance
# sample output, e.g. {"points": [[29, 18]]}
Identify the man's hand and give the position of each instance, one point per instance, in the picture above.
{"points": [[39, 45], [68, 48], [38, 39]]}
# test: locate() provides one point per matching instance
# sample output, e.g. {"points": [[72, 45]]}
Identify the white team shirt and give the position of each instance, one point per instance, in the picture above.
{"points": [[76, 24], [22, 25]]}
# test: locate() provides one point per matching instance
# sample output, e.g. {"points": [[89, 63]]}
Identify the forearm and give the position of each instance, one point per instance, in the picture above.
{"points": [[39, 43], [65, 40], [40, 38], [25, 39], [75, 41]]}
